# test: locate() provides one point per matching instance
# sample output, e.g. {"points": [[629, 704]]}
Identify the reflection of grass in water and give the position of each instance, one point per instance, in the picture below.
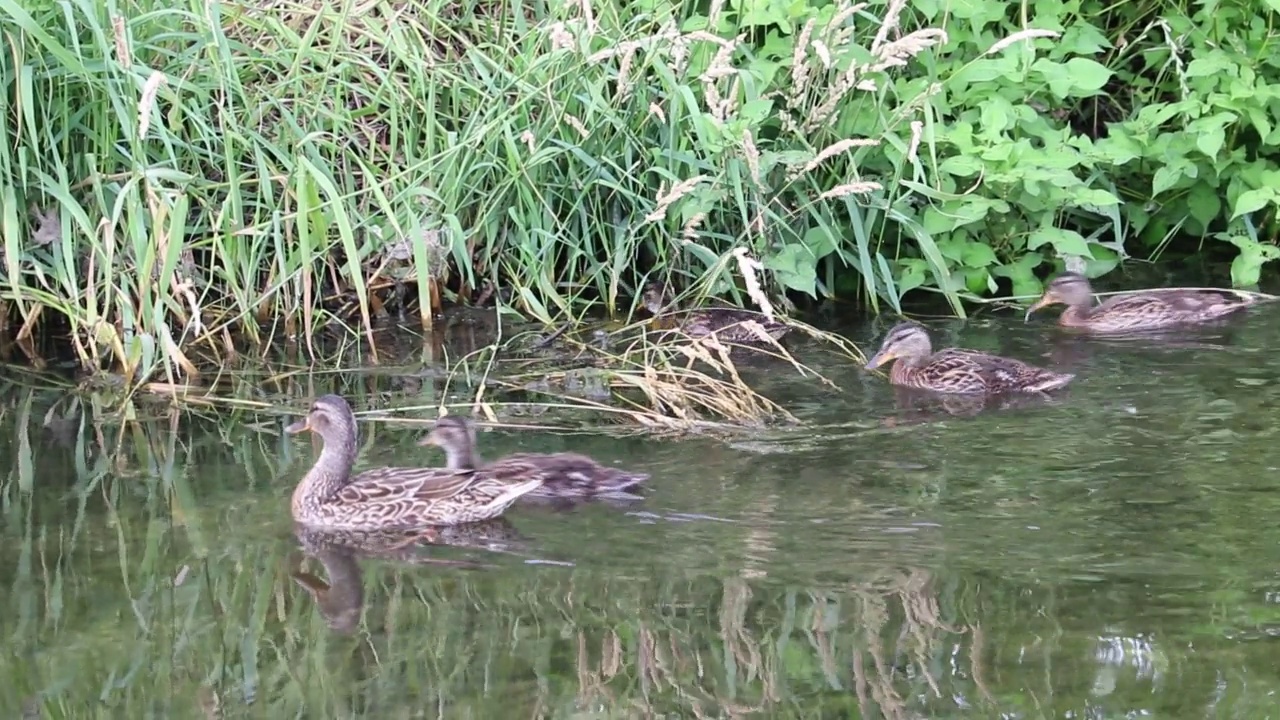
{"points": [[193, 612], [95, 608]]}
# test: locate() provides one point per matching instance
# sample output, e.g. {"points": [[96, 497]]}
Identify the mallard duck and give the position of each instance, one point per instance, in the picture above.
{"points": [[1141, 311], [390, 497], [728, 324], [954, 370], [563, 475]]}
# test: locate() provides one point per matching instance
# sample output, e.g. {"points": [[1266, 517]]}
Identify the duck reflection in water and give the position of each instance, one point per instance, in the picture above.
{"points": [[341, 598]]}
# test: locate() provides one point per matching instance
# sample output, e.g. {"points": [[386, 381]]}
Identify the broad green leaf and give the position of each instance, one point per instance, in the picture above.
{"points": [[1167, 176], [1118, 148], [819, 241], [947, 216], [1096, 197], [982, 70], [978, 255], [1055, 75], [1247, 266], [1252, 201], [1211, 141], [913, 275], [1203, 203], [1211, 63], [961, 165], [795, 267], [1063, 241], [997, 115], [1082, 39], [1087, 75]]}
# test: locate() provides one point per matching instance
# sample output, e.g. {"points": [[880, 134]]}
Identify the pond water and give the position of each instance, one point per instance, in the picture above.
{"points": [[1111, 554]]}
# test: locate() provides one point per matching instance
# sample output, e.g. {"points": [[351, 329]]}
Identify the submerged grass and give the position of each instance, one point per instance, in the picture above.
{"points": [[180, 184], [158, 579], [158, 594]]}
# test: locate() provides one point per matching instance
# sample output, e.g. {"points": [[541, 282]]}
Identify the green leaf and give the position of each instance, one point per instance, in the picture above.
{"points": [[1118, 148], [978, 255], [819, 241], [1251, 201], [914, 273], [1055, 75], [1082, 39], [1211, 141], [796, 268], [961, 166], [1212, 63], [1203, 203], [982, 70], [1094, 197], [1064, 242], [1247, 266], [756, 110], [945, 217], [1167, 176], [997, 116], [1087, 75]]}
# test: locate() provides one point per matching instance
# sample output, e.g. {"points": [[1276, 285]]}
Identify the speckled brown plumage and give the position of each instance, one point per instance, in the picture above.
{"points": [[563, 475], [389, 497], [1137, 312], [954, 370], [728, 324]]}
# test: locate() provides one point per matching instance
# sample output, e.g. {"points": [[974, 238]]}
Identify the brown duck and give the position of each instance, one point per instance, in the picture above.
{"points": [[954, 370], [390, 497], [1139, 311], [727, 323], [563, 475]]}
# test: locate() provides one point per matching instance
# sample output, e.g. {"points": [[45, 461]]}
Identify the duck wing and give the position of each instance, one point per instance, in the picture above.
{"points": [[565, 474], [389, 485], [981, 372], [1149, 310]]}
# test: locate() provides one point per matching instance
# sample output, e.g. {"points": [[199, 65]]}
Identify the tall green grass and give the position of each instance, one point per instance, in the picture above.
{"points": [[181, 181]]}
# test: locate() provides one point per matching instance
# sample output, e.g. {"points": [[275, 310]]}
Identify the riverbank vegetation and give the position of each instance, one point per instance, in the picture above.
{"points": [[181, 184]]}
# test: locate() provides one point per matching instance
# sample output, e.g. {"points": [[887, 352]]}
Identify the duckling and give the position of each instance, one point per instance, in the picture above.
{"points": [[728, 324], [1137, 312], [563, 475], [954, 370], [389, 497]]}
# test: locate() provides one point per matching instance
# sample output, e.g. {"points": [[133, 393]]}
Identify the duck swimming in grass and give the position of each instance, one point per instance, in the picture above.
{"points": [[728, 324], [562, 475], [954, 370], [390, 497], [1140, 311]]}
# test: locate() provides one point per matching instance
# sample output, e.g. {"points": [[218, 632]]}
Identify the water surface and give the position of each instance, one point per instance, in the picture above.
{"points": [[1110, 554]]}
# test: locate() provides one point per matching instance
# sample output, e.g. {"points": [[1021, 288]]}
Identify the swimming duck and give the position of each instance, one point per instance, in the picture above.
{"points": [[563, 475], [390, 497], [954, 370], [1140, 311], [729, 324]]}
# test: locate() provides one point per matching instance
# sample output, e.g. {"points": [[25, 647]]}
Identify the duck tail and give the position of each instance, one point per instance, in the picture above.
{"points": [[1053, 381], [500, 504], [620, 482]]}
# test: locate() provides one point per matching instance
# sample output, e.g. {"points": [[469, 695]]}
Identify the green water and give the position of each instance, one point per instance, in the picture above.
{"points": [[1112, 554]]}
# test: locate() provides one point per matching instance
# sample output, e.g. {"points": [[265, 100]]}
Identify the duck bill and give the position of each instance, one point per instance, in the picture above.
{"points": [[879, 359], [300, 426], [1044, 301], [428, 439]]}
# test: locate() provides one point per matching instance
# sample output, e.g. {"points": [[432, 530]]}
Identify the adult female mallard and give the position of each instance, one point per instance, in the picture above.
{"points": [[563, 475], [954, 370], [390, 497], [728, 324], [1137, 312]]}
